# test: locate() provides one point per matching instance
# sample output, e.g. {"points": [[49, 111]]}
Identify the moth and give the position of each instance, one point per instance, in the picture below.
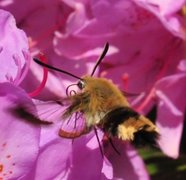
{"points": [[103, 105]]}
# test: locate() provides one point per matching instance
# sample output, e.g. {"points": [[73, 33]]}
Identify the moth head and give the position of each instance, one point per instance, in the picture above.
{"points": [[87, 81], [81, 84]]}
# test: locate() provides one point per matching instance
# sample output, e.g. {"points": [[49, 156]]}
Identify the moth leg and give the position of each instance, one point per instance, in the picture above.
{"points": [[99, 143], [113, 146]]}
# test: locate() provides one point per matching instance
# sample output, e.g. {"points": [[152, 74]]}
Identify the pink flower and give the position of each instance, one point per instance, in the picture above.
{"points": [[64, 161], [30, 18], [146, 56], [17, 136]]}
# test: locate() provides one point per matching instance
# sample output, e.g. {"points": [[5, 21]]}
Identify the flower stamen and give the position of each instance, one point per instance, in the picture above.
{"points": [[44, 79], [125, 78], [21, 71], [26, 67], [147, 100], [17, 62], [9, 77]]}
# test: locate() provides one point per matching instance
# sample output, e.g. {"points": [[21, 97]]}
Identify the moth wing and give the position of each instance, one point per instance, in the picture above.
{"points": [[49, 111], [74, 126]]}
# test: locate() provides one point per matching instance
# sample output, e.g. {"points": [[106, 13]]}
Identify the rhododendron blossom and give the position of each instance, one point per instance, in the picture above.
{"points": [[17, 137], [146, 57]]}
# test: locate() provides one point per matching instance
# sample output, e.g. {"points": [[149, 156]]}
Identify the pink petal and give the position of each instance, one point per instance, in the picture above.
{"points": [[171, 108], [83, 157], [54, 159], [19, 139], [68, 159], [30, 18], [99, 27], [127, 165], [167, 7], [168, 13], [182, 65], [107, 169], [13, 48]]}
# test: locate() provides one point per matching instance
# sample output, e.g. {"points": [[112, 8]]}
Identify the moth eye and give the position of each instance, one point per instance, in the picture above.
{"points": [[81, 84]]}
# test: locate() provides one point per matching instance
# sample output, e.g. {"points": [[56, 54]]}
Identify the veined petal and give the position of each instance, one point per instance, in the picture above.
{"points": [[19, 139], [54, 159], [13, 49], [127, 165], [168, 13]]}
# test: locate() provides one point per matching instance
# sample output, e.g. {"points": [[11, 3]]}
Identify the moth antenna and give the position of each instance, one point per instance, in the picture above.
{"points": [[106, 47], [56, 69]]}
